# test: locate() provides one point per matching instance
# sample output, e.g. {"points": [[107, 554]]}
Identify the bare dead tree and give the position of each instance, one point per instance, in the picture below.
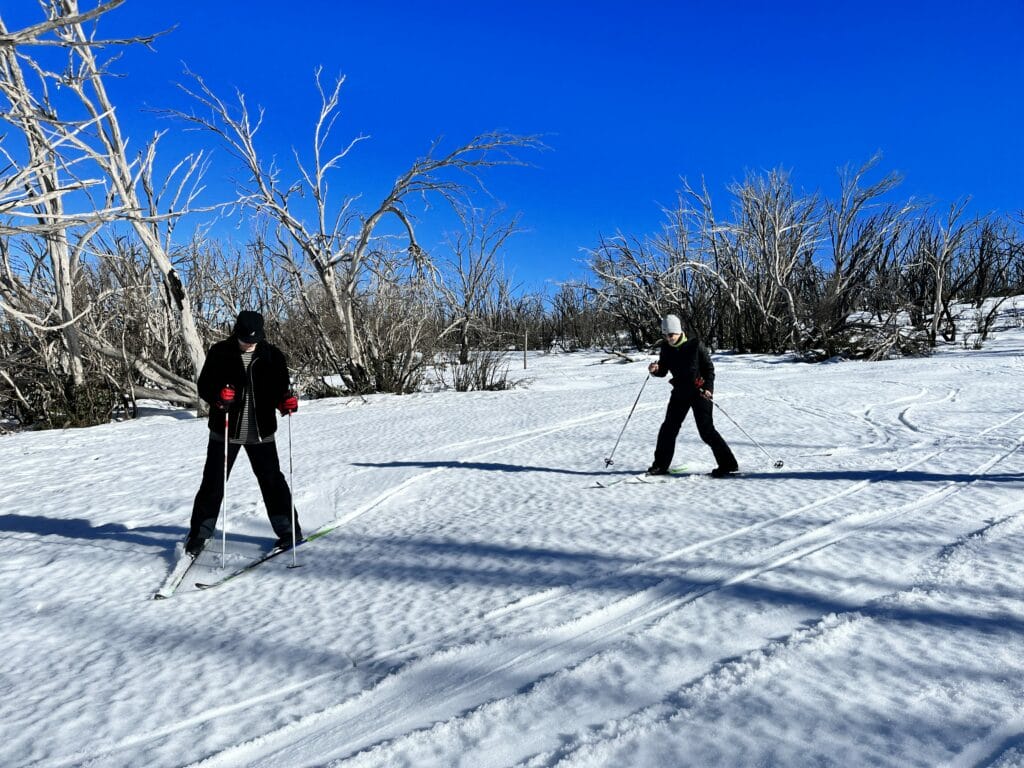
{"points": [[774, 230], [991, 262], [939, 247], [714, 296], [61, 15], [580, 322], [148, 207], [397, 321], [97, 142], [467, 276], [764, 282], [33, 196], [719, 300], [863, 233], [735, 281], [336, 240], [639, 280]]}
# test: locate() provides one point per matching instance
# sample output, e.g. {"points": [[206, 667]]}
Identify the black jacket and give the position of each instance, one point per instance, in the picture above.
{"points": [[687, 363], [268, 380]]}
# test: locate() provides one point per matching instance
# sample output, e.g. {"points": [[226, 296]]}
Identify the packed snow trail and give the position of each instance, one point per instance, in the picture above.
{"points": [[472, 677]]}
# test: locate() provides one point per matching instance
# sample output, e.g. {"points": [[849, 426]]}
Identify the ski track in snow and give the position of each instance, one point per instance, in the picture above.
{"points": [[501, 443], [474, 689], [505, 664]]}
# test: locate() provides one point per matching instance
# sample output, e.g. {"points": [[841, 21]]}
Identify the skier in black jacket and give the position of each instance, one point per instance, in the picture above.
{"points": [[245, 377], [693, 386]]}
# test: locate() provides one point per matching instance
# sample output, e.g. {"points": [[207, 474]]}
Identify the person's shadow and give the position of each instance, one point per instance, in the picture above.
{"points": [[162, 536]]}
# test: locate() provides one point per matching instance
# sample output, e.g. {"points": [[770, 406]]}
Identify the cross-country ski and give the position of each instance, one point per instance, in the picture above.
{"points": [[181, 567]]}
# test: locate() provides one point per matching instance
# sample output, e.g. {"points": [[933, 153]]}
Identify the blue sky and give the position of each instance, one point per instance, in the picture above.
{"points": [[630, 97]]}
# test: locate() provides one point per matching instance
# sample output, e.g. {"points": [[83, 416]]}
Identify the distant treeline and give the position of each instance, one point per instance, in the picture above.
{"points": [[858, 276]]}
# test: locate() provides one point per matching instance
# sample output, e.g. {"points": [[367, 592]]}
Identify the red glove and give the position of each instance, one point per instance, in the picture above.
{"points": [[289, 405], [705, 393], [227, 397]]}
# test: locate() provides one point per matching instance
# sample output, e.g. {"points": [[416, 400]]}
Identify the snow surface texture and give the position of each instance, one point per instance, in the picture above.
{"points": [[863, 605]]}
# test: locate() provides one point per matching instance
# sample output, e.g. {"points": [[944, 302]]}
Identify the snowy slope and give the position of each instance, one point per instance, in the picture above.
{"points": [[863, 605]]}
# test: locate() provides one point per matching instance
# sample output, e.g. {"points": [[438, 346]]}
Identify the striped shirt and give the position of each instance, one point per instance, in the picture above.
{"points": [[247, 433]]}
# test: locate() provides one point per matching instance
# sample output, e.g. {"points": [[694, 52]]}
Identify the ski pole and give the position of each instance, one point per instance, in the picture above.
{"points": [[224, 498], [291, 491], [777, 463], [608, 462]]}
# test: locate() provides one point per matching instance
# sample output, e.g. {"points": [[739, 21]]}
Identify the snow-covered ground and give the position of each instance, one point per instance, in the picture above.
{"points": [[481, 603]]}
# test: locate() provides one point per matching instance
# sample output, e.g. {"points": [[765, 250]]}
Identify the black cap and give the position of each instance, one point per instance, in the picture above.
{"points": [[249, 327]]}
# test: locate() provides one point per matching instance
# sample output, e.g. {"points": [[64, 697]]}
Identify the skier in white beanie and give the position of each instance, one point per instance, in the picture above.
{"points": [[693, 386], [671, 324]]}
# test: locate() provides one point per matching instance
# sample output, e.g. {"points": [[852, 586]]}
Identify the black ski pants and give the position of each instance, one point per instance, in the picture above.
{"points": [[703, 414], [265, 465]]}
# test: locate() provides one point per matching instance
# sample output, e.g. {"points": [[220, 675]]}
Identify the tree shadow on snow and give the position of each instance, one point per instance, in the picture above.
{"points": [[450, 563], [163, 536], [876, 475], [825, 605], [492, 467], [170, 413]]}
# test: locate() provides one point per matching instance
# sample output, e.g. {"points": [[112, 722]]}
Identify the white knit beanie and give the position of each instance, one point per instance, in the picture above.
{"points": [[671, 324]]}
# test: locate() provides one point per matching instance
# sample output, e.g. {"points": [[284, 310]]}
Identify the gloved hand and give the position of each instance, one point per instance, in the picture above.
{"points": [[289, 405], [227, 397], [707, 394]]}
